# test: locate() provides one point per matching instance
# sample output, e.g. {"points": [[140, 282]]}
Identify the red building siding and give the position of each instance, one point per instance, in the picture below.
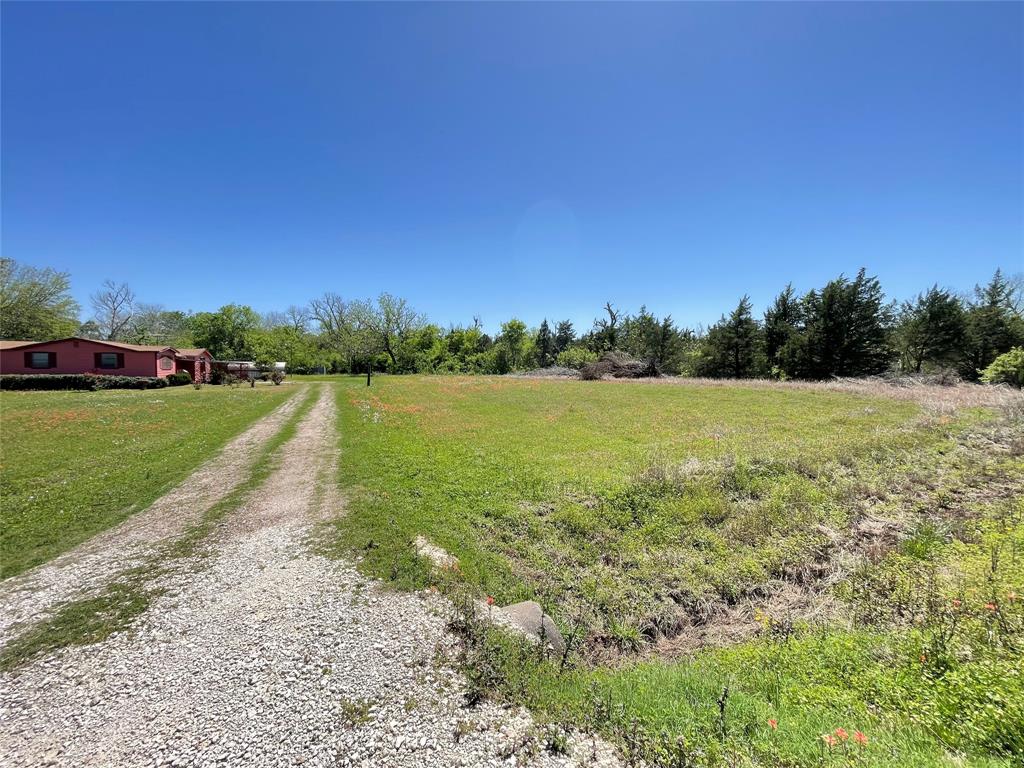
{"points": [[79, 356], [83, 356]]}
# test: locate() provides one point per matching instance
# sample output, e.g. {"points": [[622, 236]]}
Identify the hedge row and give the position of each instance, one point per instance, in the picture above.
{"points": [[85, 381]]}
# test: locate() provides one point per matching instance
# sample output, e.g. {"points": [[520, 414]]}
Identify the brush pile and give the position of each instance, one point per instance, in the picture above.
{"points": [[619, 365]]}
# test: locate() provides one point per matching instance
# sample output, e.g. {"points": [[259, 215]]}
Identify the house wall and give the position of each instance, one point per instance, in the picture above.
{"points": [[78, 357]]}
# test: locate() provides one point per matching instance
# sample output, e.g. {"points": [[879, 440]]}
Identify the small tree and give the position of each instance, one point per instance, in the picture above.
{"points": [[994, 326], [565, 335], [931, 329], [732, 347], [545, 344]]}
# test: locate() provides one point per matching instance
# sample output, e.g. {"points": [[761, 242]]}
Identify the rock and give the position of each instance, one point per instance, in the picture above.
{"points": [[435, 554], [529, 618]]}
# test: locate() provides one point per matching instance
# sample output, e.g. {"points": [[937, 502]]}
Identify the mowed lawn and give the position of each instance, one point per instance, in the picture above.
{"points": [[631, 511], [75, 463]]}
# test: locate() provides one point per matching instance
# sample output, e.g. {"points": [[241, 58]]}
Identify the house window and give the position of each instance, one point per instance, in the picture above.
{"points": [[40, 359], [166, 363], [109, 360]]}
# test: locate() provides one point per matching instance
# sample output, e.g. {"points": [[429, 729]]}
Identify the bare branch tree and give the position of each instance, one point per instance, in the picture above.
{"points": [[298, 317], [114, 307], [390, 321], [340, 325]]}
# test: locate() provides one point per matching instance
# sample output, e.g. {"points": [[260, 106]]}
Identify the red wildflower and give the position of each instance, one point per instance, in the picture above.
{"points": [[860, 738], [991, 607], [923, 658], [829, 739], [956, 603], [842, 734], [490, 600], [773, 723]]}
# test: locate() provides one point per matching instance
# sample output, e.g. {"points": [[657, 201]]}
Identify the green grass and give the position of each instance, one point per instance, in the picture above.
{"points": [[115, 608], [633, 509], [552, 489], [76, 463]]}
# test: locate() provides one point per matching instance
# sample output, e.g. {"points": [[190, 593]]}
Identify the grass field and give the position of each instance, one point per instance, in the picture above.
{"points": [[744, 569], [76, 463]]}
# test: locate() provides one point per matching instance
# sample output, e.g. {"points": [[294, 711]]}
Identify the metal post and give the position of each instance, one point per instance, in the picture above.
{"points": [[369, 367]]}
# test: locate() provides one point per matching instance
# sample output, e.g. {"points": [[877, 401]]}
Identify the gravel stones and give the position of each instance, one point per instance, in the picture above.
{"points": [[265, 654]]}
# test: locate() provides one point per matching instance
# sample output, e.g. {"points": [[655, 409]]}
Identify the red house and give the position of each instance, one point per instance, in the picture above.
{"points": [[78, 355]]}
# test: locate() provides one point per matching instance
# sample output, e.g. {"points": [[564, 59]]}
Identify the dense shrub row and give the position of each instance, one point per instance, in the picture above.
{"points": [[86, 381]]}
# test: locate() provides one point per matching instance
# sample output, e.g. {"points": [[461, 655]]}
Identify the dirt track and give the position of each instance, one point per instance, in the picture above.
{"points": [[259, 651]]}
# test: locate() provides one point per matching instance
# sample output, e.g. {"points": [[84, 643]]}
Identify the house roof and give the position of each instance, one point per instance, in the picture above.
{"points": [[5, 344]]}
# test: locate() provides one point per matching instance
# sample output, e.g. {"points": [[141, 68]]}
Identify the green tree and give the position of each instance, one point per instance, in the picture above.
{"points": [[783, 333], [605, 334], [994, 325], [229, 333], [390, 322], [732, 347], [847, 329], [285, 343], [565, 335], [545, 345], [511, 347], [35, 304], [931, 330]]}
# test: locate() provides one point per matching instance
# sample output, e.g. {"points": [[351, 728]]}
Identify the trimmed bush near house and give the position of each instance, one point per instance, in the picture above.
{"points": [[80, 381], [179, 379]]}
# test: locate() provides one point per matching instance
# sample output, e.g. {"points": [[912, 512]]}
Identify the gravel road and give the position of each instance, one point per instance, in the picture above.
{"points": [[264, 653], [89, 566]]}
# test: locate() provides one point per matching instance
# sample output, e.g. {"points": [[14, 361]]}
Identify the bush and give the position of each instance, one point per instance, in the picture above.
{"points": [[82, 381], [575, 357], [179, 379], [1008, 368], [277, 376]]}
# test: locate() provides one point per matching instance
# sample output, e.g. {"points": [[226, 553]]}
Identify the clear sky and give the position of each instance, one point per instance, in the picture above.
{"points": [[498, 159]]}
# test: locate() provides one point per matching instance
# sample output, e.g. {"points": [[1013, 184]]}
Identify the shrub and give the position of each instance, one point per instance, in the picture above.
{"points": [[1008, 368], [81, 381], [277, 376], [575, 357], [179, 379]]}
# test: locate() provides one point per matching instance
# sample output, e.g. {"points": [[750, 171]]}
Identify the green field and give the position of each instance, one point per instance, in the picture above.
{"points": [[694, 539], [76, 463]]}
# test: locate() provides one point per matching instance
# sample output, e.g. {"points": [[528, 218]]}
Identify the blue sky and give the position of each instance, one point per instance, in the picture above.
{"points": [[498, 160]]}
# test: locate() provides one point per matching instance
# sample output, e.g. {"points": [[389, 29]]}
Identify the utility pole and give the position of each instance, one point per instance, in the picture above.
{"points": [[369, 367]]}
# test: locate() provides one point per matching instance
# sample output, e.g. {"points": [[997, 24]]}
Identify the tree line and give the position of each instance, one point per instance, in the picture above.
{"points": [[845, 328]]}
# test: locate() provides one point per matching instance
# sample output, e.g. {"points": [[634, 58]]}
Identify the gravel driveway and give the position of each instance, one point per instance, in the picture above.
{"points": [[263, 653]]}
